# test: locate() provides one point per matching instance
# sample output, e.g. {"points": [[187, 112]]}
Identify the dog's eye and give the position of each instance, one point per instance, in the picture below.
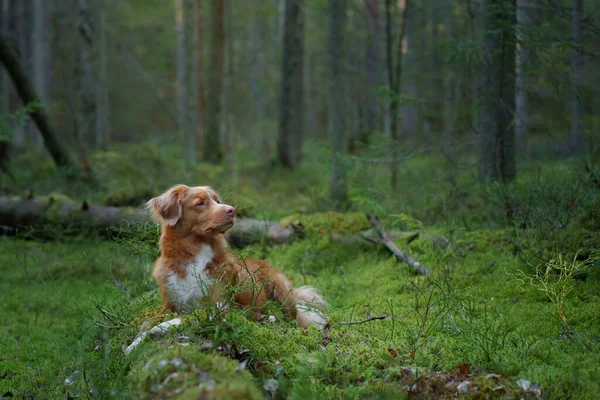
{"points": [[200, 203]]}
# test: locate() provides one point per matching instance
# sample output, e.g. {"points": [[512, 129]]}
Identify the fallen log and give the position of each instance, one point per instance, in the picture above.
{"points": [[18, 212], [400, 255]]}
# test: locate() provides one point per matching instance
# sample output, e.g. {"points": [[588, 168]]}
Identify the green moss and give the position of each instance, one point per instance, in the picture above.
{"points": [[65, 311], [188, 373]]}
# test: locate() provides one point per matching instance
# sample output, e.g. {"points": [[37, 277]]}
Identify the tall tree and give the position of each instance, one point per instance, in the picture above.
{"points": [[257, 63], [25, 90], [409, 51], [292, 85], [198, 70], [189, 142], [372, 69], [338, 186], [86, 116], [22, 39], [522, 61], [451, 85], [474, 65], [41, 52], [213, 150], [394, 79], [4, 78], [102, 100], [577, 67], [498, 91]]}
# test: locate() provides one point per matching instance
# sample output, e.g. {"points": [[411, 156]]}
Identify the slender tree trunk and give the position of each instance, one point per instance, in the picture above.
{"points": [[394, 80], [336, 128], [577, 85], [372, 70], [4, 77], [228, 134], [292, 85], [102, 100], [498, 91], [451, 82], [522, 61], [23, 28], [27, 94], [86, 117], [183, 82], [199, 69], [409, 111], [257, 63], [213, 151], [41, 55], [474, 79]]}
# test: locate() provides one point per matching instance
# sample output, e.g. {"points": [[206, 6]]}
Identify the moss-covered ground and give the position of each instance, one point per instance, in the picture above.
{"points": [[514, 295]]}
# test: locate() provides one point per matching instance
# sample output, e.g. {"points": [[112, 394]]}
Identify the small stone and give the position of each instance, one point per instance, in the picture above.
{"points": [[71, 379], [208, 384], [524, 384], [463, 387], [272, 318], [271, 385], [242, 366], [177, 362]]}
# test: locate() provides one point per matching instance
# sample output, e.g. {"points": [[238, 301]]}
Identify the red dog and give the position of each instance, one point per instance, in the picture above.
{"points": [[195, 263]]}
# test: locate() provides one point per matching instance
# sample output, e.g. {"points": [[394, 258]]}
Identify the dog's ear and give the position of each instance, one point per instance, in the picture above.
{"points": [[167, 208]]}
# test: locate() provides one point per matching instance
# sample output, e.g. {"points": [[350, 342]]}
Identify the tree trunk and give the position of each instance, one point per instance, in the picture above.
{"points": [[22, 30], [16, 213], [522, 61], [498, 91], [474, 68], [257, 63], [213, 151], [4, 77], [394, 80], [198, 71], [183, 83], [25, 90], [292, 85], [102, 100], [86, 116], [450, 82], [577, 85], [409, 111], [372, 70], [338, 186], [41, 54]]}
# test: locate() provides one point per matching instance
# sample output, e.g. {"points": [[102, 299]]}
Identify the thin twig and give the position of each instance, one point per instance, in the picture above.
{"points": [[405, 258], [358, 322]]}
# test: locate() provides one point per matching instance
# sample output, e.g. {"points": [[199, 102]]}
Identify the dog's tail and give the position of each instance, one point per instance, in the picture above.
{"points": [[304, 304], [309, 307]]}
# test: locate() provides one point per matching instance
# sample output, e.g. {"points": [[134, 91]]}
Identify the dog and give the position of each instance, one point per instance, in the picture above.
{"points": [[195, 262]]}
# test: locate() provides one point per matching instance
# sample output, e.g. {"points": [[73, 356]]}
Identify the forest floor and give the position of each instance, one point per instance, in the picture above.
{"points": [[511, 309]]}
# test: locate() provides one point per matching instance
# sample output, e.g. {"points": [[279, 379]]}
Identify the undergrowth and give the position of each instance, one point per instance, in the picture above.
{"points": [[514, 293]]}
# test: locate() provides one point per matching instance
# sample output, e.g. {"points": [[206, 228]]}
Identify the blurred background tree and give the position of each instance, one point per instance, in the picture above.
{"points": [[490, 85]]}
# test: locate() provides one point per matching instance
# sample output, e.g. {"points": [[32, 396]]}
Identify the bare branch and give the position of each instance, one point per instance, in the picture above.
{"points": [[405, 258]]}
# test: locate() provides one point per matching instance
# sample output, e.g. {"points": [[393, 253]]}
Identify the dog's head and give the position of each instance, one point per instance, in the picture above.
{"points": [[192, 210]]}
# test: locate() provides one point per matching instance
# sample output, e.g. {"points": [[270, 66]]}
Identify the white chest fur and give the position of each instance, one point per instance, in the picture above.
{"points": [[196, 282]]}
